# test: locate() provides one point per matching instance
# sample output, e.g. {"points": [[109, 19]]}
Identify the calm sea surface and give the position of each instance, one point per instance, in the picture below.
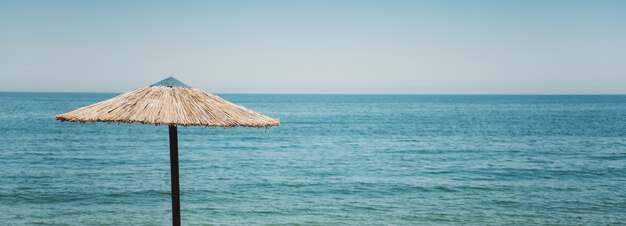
{"points": [[335, 160]]}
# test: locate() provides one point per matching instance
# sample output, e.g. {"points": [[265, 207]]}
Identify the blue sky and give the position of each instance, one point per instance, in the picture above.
{"points": [[455, 47]]}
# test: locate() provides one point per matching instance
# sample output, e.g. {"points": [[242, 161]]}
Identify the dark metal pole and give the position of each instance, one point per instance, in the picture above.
{"points": [[174, 174]]}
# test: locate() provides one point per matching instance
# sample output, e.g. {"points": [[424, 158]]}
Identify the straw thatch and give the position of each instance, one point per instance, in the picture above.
{"points": [[170, 105]]}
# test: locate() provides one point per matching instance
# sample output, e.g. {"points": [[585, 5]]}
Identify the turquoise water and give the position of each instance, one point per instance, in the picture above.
{"points": [[335, 160]]}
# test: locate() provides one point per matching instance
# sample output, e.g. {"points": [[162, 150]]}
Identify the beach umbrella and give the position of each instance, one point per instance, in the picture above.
{"points": [[172, 103]]}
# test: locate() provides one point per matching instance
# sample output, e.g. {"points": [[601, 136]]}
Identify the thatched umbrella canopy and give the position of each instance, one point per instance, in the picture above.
{"points": [[173, 103], [169, 102]]}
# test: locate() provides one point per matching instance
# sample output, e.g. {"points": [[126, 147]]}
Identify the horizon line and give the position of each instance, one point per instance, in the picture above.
{"points": [[235, 93]]}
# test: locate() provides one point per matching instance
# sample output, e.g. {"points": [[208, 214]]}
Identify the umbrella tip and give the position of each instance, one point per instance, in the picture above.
{"points": [[170, 82]]}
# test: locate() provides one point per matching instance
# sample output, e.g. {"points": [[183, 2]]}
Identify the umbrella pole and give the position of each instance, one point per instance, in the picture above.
{"points": [[174, 174]]}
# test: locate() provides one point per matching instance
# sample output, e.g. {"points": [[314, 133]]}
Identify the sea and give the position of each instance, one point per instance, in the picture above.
{"points": [[334, 160]]}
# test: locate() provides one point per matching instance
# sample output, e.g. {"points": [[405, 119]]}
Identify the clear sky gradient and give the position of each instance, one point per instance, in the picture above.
{"points": [[422, 47]]}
